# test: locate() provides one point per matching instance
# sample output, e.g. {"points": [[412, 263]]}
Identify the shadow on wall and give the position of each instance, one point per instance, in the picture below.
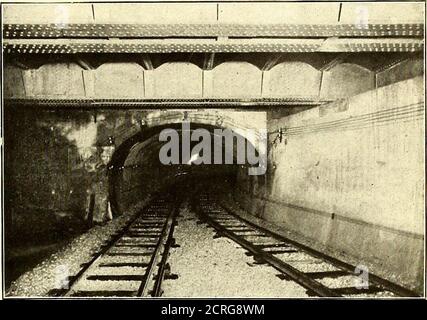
{"points": [[51, 172]]}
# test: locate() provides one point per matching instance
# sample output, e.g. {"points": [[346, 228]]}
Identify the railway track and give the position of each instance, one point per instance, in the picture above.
{"points": [[321, 275], [134, 262]]}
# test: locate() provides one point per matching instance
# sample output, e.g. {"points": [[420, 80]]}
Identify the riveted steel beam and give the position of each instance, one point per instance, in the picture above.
{"points": [[75, 46], [161, 103], [210, 30], [371, 45]]}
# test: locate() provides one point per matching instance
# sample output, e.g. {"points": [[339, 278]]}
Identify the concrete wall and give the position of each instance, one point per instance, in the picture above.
{"points": [[346, 80], [350, 176], [291, 78]]}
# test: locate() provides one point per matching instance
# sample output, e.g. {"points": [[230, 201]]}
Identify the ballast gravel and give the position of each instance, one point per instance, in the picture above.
{"points": [[48, 275], [107, 286], [216, 267], [206, 265]]}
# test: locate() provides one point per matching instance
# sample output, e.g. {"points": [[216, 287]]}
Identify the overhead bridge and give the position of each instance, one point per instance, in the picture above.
{"points": [[334, 91]]}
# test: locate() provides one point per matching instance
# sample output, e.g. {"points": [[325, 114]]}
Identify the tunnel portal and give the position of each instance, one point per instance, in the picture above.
{"points": [[331, 110]]}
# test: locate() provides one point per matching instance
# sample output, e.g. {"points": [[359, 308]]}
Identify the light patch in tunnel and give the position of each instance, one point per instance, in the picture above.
{"points": [[82, 136]]}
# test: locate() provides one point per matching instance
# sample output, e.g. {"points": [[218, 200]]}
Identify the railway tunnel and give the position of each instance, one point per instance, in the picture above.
{"points": [[335, 105]]}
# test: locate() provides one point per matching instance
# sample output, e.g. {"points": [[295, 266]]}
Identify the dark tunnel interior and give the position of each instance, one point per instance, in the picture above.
{"points": [[135, 167]]}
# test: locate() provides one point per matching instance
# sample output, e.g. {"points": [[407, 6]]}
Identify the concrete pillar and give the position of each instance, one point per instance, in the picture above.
{"points": [[149, 84], [88, 83], [207, 83]]}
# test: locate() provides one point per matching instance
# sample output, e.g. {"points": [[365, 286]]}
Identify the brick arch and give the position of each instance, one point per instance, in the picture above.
{"points": [[121, 173], [235, 121]]}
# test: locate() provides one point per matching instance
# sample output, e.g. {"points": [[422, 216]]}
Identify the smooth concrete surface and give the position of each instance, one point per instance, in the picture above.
{"points": [[208, 13], [351, 176]]}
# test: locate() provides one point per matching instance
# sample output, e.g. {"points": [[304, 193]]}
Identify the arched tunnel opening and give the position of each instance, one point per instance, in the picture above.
{"points": [[319, 191], [62, 165], [136, 170], [92, 168]]}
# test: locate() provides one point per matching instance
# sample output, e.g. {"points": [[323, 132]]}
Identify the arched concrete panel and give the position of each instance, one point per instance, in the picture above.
{"points": [[53, 80], [291, 79], [174, 80], [404, 70], [119, 80], [233, 79], [185, 80], [346, 80]]}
